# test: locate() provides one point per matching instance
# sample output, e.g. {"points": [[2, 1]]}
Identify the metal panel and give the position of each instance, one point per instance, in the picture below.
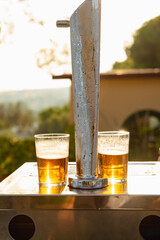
{"points": [[21, 191], [114, 212], [78, 225]]}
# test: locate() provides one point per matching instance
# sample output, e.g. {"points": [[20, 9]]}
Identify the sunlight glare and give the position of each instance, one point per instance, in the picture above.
{"points": [[28, 26]]}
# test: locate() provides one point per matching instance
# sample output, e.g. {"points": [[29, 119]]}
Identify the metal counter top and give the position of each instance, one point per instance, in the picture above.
{"points": [[141, 192]]}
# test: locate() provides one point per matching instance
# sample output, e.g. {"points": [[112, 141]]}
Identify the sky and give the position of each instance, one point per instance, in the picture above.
{"points": [[22, 38]]}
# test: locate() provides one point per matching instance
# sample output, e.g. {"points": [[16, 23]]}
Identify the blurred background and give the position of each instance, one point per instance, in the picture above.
{"points": [[35, 73]]}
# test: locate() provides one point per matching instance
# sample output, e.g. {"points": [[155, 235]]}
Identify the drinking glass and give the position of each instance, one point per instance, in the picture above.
{"points": [[52, 151], [113, 149]]}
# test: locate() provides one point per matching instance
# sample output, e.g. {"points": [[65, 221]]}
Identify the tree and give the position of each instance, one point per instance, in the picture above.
{"points": [[16, 119], [48, 58], [52, 54], [144, 128], [53, 119], [15, 152], [145, 50], [56, 120]]}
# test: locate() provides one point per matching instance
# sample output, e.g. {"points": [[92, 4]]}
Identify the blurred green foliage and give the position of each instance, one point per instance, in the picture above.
{"points": [[13, 153], [144, 52], [53, 120], [17, 128], [144, 128], [16, 120]]}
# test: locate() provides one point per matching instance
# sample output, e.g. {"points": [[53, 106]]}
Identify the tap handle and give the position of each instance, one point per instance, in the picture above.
{"points": [[63, 23]]}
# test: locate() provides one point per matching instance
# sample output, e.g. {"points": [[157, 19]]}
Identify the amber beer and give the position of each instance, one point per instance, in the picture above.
{"points": [[52, 151], [52, 170], [113, 165], [116, 188]]}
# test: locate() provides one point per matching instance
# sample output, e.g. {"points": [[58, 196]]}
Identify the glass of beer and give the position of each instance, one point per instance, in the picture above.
{"points": [[52, 151], [113, 149]]}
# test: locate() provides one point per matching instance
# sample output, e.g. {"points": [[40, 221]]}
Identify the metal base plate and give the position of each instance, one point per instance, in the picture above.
{"points": [[82, 183]]}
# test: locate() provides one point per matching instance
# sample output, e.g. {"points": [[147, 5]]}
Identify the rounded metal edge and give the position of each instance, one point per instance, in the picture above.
{"points": [[87, 183]]}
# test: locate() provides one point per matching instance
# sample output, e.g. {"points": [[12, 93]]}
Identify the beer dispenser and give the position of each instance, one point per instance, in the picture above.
{"points": [[85, 49], [129, 210]]}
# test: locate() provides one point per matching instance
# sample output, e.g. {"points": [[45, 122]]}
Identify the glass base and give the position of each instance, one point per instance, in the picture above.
{"points": [[52, 184], [51, 188]]}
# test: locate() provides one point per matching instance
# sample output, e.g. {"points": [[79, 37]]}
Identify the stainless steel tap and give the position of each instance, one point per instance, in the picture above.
{"points": [[85, 49]]}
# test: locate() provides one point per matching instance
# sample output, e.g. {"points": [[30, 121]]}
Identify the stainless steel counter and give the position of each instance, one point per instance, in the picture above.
{"points": [[82, 214]]}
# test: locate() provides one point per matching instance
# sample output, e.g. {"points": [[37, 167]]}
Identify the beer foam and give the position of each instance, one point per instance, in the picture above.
{"points": [[52, 155], [113, 152]]}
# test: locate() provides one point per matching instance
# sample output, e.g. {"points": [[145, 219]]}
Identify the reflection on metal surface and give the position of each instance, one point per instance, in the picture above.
{"points": [[141, 192], [144, 168], [49, 189], [143, 178], [117, 188]]}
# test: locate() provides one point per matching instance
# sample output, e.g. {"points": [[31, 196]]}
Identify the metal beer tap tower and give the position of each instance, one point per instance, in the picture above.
{"points": [[85, 49], [27, 211]]}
